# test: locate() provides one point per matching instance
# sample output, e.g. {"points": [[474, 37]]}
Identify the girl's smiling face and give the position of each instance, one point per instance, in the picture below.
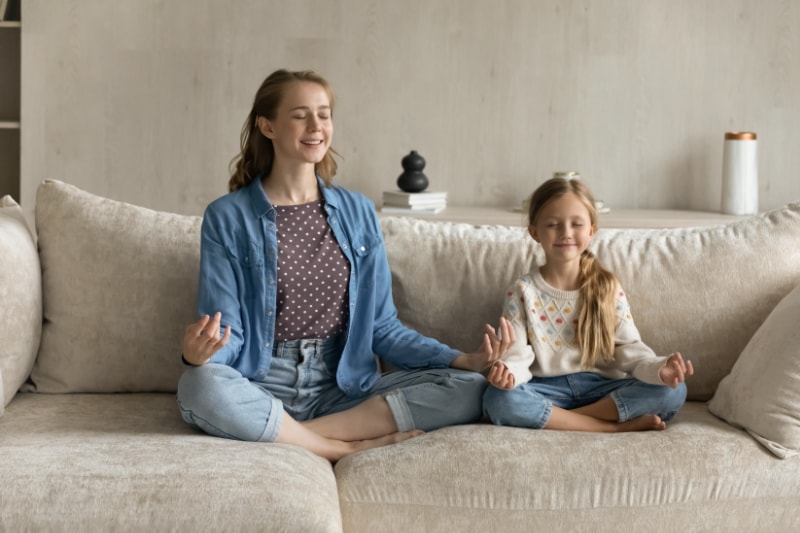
{"points": [[564, 228]]}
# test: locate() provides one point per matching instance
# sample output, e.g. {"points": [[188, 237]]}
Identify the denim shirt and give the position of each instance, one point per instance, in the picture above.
{"points": [[239, 275]]}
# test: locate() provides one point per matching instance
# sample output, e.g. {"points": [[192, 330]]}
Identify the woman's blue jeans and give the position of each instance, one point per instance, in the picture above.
{"points": [[301, 381], [530, 404]]}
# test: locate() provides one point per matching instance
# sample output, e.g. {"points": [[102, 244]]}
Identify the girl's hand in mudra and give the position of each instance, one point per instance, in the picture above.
{"points": [[500, 376], [675, 370]]}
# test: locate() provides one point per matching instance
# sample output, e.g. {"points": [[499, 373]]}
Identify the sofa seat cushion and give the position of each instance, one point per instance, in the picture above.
{"points": [[127, 462], [693, 476]]}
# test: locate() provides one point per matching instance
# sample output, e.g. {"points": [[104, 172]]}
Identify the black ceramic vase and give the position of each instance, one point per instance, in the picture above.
{"points": [[412, 179]]}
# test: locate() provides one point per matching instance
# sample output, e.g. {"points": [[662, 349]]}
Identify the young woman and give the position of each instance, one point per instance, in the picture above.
{"points": [[295, 302], [577, 361]]}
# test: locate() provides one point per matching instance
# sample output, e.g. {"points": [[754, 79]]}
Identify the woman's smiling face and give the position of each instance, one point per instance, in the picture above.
{"points": [[302, 128]]}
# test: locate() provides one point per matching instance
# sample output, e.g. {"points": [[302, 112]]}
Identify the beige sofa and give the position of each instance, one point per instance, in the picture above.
{"points": [[92, 323]]}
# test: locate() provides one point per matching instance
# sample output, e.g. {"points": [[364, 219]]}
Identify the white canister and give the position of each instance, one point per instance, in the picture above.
{"points": [[740, 174]]}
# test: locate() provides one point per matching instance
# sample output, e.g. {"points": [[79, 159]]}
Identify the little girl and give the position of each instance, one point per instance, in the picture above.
{"points": [[577, 361]]}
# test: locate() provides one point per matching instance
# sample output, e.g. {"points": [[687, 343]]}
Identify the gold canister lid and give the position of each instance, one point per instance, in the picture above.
{"points": [[740, 136], [567, 174]]}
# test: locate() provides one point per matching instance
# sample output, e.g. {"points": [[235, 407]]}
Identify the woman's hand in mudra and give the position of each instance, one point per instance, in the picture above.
{"points": [[491, 349], [201, 339]]}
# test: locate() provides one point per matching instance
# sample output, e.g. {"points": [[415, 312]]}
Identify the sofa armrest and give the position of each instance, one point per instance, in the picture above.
{"points": [[20, 300]]}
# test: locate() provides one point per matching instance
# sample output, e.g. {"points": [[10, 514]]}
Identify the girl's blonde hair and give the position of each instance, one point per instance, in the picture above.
{"points": [[257, 153], [597, 319]]}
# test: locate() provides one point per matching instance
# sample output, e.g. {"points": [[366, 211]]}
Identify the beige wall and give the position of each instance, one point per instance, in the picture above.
{"points": [[143, 100]]}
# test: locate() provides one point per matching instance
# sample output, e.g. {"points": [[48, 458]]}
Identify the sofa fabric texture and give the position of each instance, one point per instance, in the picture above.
{"points": [[114, 286]]}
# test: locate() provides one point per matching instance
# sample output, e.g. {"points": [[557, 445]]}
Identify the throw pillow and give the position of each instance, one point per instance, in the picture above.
{"points": [[762, 392], [20, 300], [119, 284]]}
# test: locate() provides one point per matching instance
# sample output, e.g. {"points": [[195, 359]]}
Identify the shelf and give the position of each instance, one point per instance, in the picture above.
{"points": [[615, 219], [10, 123]]}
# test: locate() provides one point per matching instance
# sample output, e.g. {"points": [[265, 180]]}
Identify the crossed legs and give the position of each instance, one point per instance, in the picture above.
{"points": [[584, 402]]}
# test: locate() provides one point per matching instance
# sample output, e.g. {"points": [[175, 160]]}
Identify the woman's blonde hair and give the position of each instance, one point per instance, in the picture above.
{"points": [[597, 319], [257, 153]]}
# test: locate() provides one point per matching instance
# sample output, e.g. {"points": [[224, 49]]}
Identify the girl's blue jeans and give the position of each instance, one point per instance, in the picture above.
{"points": [[531, 404], [302, 382]]}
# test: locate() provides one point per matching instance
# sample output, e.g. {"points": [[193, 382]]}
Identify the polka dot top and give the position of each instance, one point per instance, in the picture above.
{"points": [[313, 275]]}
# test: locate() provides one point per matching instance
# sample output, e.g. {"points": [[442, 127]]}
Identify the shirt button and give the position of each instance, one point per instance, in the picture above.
{"points": [[269, 313], [266, 345], [362, 248]]}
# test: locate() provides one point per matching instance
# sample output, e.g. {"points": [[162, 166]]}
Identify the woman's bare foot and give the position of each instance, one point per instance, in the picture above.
{"points": [[349, 447], [293, 432], [643, 423], [392, 438]]}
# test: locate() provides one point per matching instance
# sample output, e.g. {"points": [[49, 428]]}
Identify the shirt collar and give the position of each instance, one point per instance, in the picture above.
{"points": [[262, 207], [258, 197], [328, 194]]}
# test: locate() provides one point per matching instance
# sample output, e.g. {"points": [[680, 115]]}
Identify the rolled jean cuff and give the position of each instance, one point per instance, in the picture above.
{"points": [[546, 414], [400, 411], [274, 419], [622, 409]]}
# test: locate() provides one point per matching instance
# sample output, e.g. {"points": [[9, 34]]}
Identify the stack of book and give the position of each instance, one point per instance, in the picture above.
{"points": [[421, 203]]}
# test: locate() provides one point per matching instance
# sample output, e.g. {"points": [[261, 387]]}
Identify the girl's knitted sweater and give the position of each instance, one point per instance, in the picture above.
{"points": [[544, 320]]}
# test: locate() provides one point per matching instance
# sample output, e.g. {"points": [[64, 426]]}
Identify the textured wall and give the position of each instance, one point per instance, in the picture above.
{"points": [[143, 100]]}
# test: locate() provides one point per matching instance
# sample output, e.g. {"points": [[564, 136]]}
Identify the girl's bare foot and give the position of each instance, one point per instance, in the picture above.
{"points": [[576, 421], [643, 423]]}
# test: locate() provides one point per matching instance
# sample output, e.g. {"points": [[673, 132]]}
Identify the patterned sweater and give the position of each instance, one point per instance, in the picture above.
{"points": [[544, 320]]}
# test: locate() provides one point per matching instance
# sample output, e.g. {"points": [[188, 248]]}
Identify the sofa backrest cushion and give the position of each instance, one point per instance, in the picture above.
{"points": [[20, 300], [119, 286], [700, 291]]}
